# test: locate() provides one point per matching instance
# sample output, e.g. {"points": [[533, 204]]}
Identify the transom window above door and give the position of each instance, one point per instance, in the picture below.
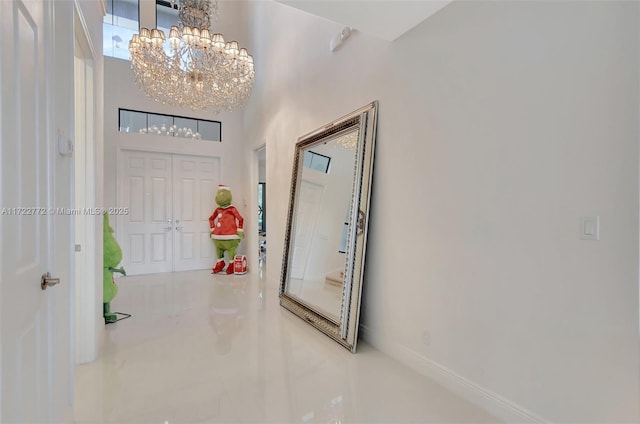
{"points": [[169, 125]]}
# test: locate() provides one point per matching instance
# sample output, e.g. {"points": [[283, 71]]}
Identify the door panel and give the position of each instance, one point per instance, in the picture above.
{"points": [[29, 347], [196, 181], [146, 239]]}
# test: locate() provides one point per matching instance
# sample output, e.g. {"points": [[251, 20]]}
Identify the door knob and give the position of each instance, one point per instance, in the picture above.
{"points": [[47, 281], [179, 228]]}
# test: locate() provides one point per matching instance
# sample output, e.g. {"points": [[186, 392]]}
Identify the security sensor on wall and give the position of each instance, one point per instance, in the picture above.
{"points": [[339, 38]]}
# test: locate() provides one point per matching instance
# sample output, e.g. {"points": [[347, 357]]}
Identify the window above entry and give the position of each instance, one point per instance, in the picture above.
{"points": [[162, 125]]}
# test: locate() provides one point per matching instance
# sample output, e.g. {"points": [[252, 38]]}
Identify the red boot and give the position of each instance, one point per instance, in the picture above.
{"points": [[230, 268], [218, 267]]}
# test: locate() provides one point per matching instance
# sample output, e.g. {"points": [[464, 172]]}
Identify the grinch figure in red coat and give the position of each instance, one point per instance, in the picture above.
{"points": [[226, 229]]}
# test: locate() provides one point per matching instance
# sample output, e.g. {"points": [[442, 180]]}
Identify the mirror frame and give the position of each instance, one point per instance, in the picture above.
{"points": [[345, 330]]}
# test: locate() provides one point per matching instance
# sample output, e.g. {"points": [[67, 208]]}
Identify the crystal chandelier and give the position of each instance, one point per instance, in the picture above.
{"points": [[201, 71]]}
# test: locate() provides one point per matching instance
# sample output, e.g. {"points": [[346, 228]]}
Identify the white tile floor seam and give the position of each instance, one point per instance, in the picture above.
{"points": [[202, 348]]}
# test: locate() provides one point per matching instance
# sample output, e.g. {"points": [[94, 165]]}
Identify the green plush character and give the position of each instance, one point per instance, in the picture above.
{"points": [[226, 229], [112, 255]]}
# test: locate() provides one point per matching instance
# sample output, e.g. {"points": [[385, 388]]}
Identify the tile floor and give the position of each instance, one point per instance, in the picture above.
{"points": [[201, 348]]}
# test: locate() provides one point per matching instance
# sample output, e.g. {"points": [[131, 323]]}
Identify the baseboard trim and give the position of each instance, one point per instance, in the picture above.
{"points": [[498, 406]]}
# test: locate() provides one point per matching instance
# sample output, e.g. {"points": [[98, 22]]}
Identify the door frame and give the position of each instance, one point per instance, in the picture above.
{"points": [[87, 298], [253, 235]]}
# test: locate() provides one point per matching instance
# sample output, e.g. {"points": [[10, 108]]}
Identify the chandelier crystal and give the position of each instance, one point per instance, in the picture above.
{"points": [[348, 141], [202, 71]]}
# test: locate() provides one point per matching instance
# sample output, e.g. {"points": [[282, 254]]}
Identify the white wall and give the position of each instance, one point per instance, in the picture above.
{"points": [[262, 169], [500, 125]]}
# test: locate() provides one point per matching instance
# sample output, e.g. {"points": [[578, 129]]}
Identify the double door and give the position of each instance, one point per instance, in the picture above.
{"points": [[165, 202]]}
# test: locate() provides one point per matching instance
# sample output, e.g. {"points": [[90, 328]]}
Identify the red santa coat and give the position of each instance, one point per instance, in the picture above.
{"points": [[225, 222]]}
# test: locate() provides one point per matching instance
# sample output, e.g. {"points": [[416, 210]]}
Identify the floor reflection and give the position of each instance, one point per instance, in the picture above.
{"points": [[202, 348]]}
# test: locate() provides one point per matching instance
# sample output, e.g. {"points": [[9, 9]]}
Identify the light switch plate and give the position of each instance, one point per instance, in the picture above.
{"points": [[590, 228]]}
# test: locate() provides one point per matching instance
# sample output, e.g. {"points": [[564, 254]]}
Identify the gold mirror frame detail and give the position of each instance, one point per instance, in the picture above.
{"points": [[344, 330]]}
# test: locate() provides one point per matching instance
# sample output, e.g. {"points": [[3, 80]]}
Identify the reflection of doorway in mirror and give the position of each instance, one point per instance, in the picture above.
{"points": [[262, 206], [319, 239], [328, 246]]}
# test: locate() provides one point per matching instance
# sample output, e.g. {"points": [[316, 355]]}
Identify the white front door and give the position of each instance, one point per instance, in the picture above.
{"points": [[35, 323], [147, 231], [169, 199], [195, 182]]}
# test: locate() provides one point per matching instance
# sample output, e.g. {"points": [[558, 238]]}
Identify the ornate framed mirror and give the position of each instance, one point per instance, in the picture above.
{"points": [[326, 236]]}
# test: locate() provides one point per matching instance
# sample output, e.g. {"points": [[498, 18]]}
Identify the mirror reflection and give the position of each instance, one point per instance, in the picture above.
{"points": [[319, 235]]}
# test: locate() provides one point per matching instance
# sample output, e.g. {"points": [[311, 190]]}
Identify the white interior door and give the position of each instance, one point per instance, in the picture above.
{"points": [[306, 216], [195, 183], [32, 339], [170, 198]]}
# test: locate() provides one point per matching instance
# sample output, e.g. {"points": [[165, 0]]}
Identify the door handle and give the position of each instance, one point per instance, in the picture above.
{"points": [[168, 228], [47, 281], [179, 228]]}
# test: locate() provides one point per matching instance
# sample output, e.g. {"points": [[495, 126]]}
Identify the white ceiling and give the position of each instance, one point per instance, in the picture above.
{"points": [[383, 19]]}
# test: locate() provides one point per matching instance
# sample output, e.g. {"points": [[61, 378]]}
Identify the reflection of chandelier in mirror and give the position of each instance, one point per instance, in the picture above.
{"points": [[172, 131], [201, 71], [348, 141]]}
